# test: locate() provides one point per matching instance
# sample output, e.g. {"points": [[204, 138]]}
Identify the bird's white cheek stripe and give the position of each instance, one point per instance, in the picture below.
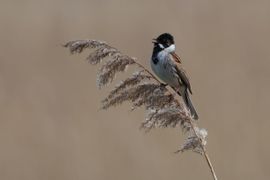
{"points": [[161, 46]]}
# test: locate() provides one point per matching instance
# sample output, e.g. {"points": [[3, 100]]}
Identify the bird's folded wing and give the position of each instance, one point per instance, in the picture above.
{"points": [[179, 70]]}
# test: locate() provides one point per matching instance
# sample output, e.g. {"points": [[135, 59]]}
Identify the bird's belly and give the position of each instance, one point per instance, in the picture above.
{"points": [[165, 73]]}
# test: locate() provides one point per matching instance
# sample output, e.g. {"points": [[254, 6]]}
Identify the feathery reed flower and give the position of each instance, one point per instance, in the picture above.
{"points": [[142, 89]]}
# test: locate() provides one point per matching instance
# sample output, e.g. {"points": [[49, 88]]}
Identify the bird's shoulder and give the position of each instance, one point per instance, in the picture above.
{"points": [[176, 62]]}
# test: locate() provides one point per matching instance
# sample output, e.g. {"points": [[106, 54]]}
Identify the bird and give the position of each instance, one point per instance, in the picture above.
{"points": [[167, 66]]}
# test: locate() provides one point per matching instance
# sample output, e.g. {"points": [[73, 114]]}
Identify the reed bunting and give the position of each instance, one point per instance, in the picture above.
{"points": [[167, 65]]}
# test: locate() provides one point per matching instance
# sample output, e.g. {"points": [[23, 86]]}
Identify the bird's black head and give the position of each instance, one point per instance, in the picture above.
{"points": [[165, 40]]}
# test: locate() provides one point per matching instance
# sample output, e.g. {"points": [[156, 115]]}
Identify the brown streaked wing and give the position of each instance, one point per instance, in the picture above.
{"points": [[176, 58], [181, 71]]}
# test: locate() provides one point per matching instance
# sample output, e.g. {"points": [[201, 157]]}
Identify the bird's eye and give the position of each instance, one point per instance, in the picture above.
{"points": [[168, 43]]}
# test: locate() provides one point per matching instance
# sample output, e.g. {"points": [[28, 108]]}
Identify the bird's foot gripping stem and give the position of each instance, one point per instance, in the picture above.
{"points": [[163, 85]]}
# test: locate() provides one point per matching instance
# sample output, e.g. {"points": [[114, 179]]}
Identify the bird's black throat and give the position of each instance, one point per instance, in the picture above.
{"points": [[156, 50]]}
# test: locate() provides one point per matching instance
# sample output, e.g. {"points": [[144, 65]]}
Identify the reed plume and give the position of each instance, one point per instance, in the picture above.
{"points": [[142, 89]]}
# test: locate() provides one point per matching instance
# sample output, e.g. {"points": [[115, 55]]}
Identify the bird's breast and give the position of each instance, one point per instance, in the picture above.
{"points": [[163, 68]]}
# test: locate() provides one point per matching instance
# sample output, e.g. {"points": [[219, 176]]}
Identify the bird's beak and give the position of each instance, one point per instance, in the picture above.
{"points": [[154, 41]]}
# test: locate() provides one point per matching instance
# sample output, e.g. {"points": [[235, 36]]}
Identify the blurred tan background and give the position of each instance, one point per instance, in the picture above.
{"points": [[50, 123]]}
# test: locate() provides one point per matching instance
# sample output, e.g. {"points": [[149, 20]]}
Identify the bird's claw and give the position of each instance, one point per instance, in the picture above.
{"points": [[163, 84]]}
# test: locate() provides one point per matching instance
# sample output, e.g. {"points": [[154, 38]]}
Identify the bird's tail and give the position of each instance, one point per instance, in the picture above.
{"points": [[189, 104]]}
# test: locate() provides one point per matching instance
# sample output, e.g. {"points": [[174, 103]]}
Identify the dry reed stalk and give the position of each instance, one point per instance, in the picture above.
{"points": [[143, 89]]}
